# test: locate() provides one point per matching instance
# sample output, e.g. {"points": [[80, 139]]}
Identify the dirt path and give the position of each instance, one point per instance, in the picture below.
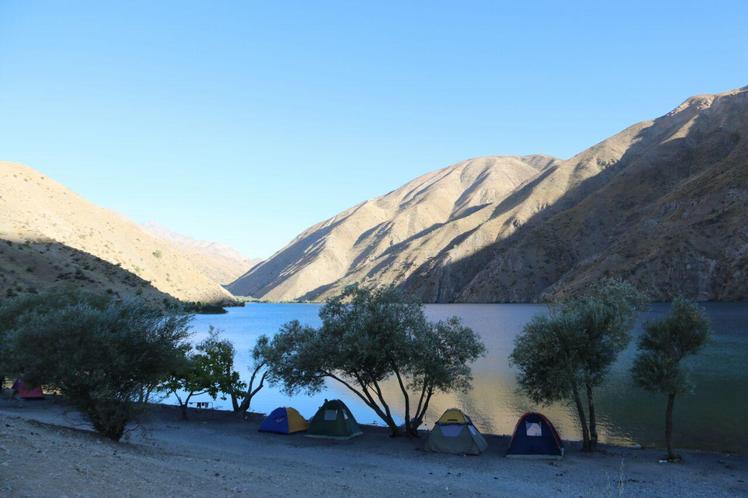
{"points": [[45, 450]]}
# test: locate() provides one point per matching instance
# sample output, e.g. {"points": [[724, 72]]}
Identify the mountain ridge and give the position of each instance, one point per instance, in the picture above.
{"points": [[54, 237], [543, 233]]}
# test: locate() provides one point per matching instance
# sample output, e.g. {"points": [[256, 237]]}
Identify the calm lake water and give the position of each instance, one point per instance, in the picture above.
{"points": [[713, 417]]}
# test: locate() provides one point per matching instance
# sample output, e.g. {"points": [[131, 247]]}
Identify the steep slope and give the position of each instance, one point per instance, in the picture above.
{"points": [[668, 216], [386, 237], [661, 203], [218, 262], [50, 236]]}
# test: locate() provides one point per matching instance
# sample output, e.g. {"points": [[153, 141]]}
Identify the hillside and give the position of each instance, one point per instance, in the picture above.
{"points": [[659, 203], [50, 236], [382, 239], [218, 262]]}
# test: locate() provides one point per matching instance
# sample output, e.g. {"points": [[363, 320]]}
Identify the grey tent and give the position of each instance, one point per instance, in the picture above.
{"points": [[455, 433], [333, 420]]}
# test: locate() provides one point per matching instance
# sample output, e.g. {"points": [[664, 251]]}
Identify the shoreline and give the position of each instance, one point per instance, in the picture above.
{"points": [[218, 453]]}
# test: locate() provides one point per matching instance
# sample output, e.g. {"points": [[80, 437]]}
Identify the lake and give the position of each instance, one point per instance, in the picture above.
{"points": [[713, 417]]}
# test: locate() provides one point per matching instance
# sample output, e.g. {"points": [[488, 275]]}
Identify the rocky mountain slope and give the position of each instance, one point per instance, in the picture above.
{"points": [[220, 263], [382, 239], [49, 236], [661, 203]]}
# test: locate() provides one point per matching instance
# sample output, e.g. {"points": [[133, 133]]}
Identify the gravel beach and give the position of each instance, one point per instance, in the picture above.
{"points": [[46, 449]]}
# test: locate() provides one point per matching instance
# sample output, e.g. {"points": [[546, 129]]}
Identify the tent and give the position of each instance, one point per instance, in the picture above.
{"points": [[454, 432], [284, 420], [25, 391], [333, 420], [535, 437]]}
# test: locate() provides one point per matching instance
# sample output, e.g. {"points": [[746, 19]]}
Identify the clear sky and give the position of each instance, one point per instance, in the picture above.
{"points": [[245, 122]]}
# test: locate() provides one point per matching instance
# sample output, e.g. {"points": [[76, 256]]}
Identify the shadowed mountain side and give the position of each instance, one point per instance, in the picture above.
{"points": [[34, 207], [659, 203], [392, 232], [669, 216], [422, 260], [30, 267]]}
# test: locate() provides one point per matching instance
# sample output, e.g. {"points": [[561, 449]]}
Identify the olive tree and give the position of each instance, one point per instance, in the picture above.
{"points": [[209, 369], [369, 337], [259, 373], [661, 350], [206, 369], [99, 355], [566, 354]]}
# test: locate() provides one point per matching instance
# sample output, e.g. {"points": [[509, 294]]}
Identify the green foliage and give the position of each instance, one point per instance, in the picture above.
{"points": [[370, 336], [208, 369], [99, 354], [573, 347], [13, 310], [665, 343], [663, 346]]}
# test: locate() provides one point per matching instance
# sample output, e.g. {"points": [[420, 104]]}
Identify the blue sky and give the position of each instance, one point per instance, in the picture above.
{"points": [[246, 122]]}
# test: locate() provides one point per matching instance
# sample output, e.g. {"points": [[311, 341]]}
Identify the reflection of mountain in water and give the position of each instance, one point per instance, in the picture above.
{"points": [[494, 406], [711, 418]]}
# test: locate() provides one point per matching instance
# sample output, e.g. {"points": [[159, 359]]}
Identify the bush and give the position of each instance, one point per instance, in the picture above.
{"points": [[100, 354]]}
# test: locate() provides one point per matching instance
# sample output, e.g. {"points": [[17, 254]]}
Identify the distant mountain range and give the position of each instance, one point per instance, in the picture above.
{"points": [[220, 263], [52, 237], [662, 204]]}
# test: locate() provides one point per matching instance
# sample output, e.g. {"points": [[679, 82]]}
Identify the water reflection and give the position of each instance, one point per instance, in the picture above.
{"points": [[712, 417]]}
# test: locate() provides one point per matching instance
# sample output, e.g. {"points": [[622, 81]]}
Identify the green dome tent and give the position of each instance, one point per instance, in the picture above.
{"points": [[333, 420], [455, 433]]}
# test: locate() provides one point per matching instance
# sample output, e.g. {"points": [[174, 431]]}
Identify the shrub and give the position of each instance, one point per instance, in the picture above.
{"points": [[101, 355]]}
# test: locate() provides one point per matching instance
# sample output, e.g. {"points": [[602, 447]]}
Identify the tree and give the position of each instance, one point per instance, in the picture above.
{"points": [[567, 353], [370, 336], [208, 369], [258, 365], [98, 354], [661, 349]]}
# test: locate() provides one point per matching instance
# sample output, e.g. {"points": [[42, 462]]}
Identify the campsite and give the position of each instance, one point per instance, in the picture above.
{"points": [[216, 454], [353, 249]]}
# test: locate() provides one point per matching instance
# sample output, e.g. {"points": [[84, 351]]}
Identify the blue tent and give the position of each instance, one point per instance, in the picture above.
{"points": [[535, 437], [284, 420]]}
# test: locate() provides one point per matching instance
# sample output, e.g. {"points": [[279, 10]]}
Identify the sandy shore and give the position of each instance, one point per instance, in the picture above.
{"points": [[46, 449]]}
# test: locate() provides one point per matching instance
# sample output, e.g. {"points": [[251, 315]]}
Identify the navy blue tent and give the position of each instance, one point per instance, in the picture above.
{"points": [[535, 437]]}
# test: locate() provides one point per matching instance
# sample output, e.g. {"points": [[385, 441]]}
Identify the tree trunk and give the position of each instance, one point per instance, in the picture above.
{"points": [[423, 406], [368, 399], [669, 426], [586, 446], [591, 414], [408, 422]]}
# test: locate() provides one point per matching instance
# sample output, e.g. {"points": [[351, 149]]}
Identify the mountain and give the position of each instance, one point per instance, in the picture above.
{"points": [[660, 204], [218, 262], [387, 237], [50, 236]]}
